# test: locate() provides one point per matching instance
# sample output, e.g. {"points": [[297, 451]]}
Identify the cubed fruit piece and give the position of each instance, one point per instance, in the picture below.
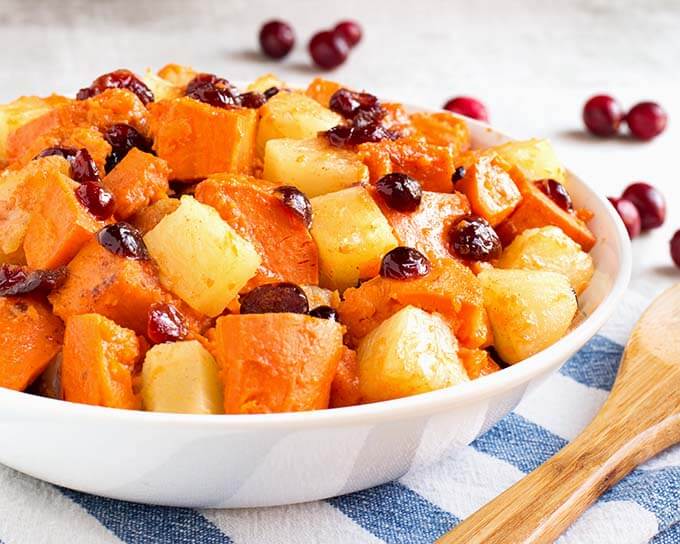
{"points": [[162, 89], [528, 310], [313, 166], [535, 158], [149, 217], [264, 83], [293, 115], [197, 139], [137, 181], [99, 359], [450, 289], [183, 378], [491, 191], [349, 250], [318, 296], [548, 248], [177, 74], [200, 257], [277, 362], [442, 129], [345, 389], [59, 227], [321, 90], [30, 336], [279, 235], [411, 352], [477, 362]]}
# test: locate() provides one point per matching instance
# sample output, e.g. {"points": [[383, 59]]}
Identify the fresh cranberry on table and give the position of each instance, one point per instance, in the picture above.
{"points": [[350, 31], [328, 50], [646, 120], [119, 79], [469, 107], [675, 248], [124, 240], [629, 215], [602, 115], [16, 280], [83, 167], [276, 39], [649, 202], [556, 192], [96, 199], [474, 238], [165, 323], [404, 263], [122, 138], [399, 191], [275, 298]]}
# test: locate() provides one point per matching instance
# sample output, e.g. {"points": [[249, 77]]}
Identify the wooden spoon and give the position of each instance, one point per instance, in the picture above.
{"points": [[640, 418]]}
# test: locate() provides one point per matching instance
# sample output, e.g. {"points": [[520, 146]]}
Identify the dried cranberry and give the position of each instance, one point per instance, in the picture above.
{"points": [[629, 215], [675, 248], [350, 31], [120, 79], [83, 167], [165, 324], [297, 201], [404, 263], [324, 312], [98, 201], [557, 193], [328, 50], [602, 115], [252, 100], [474, 238], [400, 192], [469, 107], [272, 91], [275, 298], [650, 203], [276, 39], [122, 139], [213, 90], [646, 120], [348, 103], [458, 174], [340, 136], [124, 240], [15, 280]]}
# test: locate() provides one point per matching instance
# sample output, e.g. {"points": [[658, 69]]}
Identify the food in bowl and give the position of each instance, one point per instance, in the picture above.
{"points": [[171, 244]]}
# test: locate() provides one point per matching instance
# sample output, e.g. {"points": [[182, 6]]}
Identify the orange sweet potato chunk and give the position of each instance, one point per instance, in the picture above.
{"points": [[277, 362], [59, 227], [30, 336], [99, 358], [279, 235], [345, 385], [477, 362], [147, 218], [442, 129], [321, 90], [198, 140], [137, 181], [450, 289]]}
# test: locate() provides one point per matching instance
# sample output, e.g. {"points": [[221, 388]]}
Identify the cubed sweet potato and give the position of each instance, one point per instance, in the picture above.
{"points": [[30, 336], [257, 213], [150, 216], [477, 362], [442, 128], [198, 140], [321, 90], [137, 181], [98, 361], [345, 385], [450, 289], [277, 362]]}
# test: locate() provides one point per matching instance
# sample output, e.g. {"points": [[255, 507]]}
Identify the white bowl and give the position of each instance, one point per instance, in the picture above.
{"points": [[273, 459]]}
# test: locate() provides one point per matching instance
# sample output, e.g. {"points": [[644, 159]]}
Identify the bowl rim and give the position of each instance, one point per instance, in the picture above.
{"points": [[364, 414]]}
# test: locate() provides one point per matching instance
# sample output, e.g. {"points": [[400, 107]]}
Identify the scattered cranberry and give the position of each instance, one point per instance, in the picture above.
{"points": [[120, 79], [557, 193], [275, 298], [328, 50], [474, 238], [16, 280], [646, 120], [125, 240], [675, 248], [98, 201], [348, 103], [350, 31], [122, 139], [404, 263], [469, 107], [400, 192], [602, 115], [83, 167], [650, 203], [343, 135], [629, 215], [251, 100], [213, 90], [458, 174], [272, 91], [297, 201], [276, 39], [165, 324], [324, 312]]}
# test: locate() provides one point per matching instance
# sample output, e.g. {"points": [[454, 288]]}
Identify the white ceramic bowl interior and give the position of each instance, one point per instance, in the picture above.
{"points": [[273, 459]]}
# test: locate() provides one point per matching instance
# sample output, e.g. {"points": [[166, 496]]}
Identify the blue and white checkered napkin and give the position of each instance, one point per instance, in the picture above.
{"points": [[644, 507]]}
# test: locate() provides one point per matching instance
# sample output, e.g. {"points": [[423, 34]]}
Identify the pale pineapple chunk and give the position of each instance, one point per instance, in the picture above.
{"points": [[313, 166], [200, 257], [162, 89], [535, 158], [352, 235], [528, 309], [182, 378], [293, 115], [265, 82], [411, 352], [548, 248]]}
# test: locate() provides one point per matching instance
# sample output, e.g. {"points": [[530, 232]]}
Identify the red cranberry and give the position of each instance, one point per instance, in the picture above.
{"points": [[83, 167], [350, 31], [251, 100], [125, 240], [400, 192], [120, 79], [328, 50], [213, 90], [557, 193], [629, 215], [98, 201], [602, 115], [404, 263], [324, 312], [15, 280], [122, 139], [650, 203], [272, 91], [469, 107], [458, 174], [646, 120], [297, 201], [675, 248], [348, 103], [276, 39], [165, 324], [474, 238], [275, 298]]}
